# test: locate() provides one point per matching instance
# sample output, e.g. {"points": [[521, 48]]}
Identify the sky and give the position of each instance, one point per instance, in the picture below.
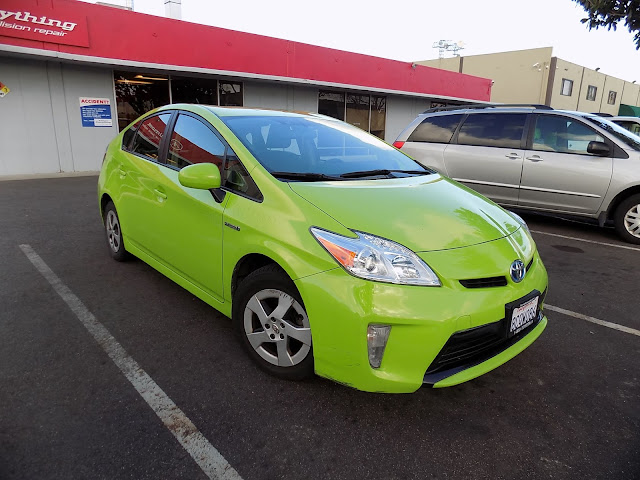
{"points": [[406, 29]]}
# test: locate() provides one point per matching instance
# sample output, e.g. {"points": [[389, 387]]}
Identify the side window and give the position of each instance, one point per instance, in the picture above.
{"points": [[563, 134], [237, 178], [493, 130], [193, 142], [128, 135], [147, 139], [438, 129]]}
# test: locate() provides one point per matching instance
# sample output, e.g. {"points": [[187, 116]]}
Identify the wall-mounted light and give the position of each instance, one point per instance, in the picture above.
{"points": [[597, 68], [150, 78]]}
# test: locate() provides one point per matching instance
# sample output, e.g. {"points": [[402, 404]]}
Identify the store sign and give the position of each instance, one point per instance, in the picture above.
{"points": [[57, 24], [3, 90], [95, 112]]}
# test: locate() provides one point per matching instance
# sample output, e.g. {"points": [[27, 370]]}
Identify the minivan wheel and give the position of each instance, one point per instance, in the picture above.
{"points": [[627, 219], [113, 233], [272, 323]]}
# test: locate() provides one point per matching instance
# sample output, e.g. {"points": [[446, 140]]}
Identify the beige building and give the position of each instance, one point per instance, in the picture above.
{"points": [[535, 76]]}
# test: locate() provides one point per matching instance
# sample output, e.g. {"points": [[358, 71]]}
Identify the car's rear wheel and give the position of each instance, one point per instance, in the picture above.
{"points": [[270, 318], [113, 233], [627, 219]]}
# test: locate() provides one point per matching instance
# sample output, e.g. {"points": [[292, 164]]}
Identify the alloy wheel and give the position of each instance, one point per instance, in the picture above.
{"points": [[113, 231], [632, 221]]}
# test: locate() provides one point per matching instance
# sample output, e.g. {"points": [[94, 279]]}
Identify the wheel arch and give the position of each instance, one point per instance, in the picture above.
{"points": [[248, 264], [104, 200], [621, 197]]}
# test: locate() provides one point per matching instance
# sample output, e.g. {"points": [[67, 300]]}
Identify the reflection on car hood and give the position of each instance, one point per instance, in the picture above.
{"points": [[424, 213]]}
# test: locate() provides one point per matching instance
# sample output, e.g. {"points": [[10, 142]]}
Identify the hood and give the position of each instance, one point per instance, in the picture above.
{"points": [[423, 213]]}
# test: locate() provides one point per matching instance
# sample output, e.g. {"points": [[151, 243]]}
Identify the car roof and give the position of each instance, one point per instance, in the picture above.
{"points": [[626, 119]]}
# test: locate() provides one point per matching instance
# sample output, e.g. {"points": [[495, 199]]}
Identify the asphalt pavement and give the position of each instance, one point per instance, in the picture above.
{"points": [[567, 407]]}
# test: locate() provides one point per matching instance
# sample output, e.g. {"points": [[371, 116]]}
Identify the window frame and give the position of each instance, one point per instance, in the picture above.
{"points": [[227, 148], [562, 84], [594, 89], [162, 151], [614, 94]]}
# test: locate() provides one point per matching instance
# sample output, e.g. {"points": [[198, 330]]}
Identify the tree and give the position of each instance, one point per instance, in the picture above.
{"points": [[607, 13]]}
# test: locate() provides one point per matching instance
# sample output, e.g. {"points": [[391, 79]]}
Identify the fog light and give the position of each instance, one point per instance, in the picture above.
{"points": [[377, 336]]}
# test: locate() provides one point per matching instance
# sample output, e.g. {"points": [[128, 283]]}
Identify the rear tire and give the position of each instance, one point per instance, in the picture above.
{"points": [[272, 323], [113, 234], [627, 219]]}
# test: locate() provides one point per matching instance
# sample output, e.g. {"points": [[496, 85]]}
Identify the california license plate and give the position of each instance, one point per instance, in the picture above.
{"points": [[522, 313]]}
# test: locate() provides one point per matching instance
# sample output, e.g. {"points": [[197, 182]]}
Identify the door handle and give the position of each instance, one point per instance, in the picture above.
{"points": [[161, 195], [535, 158], [122, 172], [513, 156]]}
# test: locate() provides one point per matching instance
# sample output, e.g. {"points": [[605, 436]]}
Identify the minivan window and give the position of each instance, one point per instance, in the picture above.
{"points": [[314, 148], [193, 142], [554, 133], [437, 129], [631, 140], [149, 135], [493, 130]]}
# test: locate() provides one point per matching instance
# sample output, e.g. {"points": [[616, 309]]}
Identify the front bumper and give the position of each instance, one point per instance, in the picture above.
{"points": [[340, 307]]}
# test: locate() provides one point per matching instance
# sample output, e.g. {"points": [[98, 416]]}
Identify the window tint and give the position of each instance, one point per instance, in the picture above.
{"points": [[128, 136], [301, 144], [493, 130], [437, 129], [148, 137], [237, 178], [562, 134], [193, 142]]}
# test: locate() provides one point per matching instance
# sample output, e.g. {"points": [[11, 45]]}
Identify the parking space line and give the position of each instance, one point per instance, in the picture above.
{"points": [[212, 463], [626, 247], [604, 323]]}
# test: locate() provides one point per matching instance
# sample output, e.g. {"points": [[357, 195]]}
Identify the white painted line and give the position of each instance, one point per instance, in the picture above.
{"points": [[604, 323], [626, 247], [205, 455]]}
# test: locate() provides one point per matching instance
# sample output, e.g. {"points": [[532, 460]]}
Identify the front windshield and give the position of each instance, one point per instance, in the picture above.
{"points": [[617, 131], [317, 148]]}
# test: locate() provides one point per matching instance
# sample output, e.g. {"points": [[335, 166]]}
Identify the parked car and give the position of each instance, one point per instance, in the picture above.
{"points": [[630, 123], [330, 250], [535, 158]]}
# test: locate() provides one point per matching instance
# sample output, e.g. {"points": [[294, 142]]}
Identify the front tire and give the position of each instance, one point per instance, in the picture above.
{"points": [[113, 233], [272, 323], [627, 219]]}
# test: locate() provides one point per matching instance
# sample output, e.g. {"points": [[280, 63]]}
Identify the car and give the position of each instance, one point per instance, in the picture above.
{"points": [[535, 158], [630, 123], [332, 252]]}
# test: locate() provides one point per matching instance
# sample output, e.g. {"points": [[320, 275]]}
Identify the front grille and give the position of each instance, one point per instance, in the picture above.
{"points": [[530, 263], [484, 282], [473, 346]]}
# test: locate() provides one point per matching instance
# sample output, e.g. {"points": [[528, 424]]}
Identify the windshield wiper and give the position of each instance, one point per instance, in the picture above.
{"points": [[372, 173], [303, 176]]}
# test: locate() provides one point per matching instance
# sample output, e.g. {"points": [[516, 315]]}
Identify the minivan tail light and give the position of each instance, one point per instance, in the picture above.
{"points": [[398, 144]]}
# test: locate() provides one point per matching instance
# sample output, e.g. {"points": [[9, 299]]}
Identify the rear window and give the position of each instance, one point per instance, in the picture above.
{"points": [[438, 129], [493, 130]]}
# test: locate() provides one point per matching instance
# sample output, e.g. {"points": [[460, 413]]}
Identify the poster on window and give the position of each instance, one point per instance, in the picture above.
{"points": [[95, 112], [3, 89]]}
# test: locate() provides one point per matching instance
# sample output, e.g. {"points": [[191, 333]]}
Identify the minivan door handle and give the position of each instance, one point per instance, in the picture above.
{"points": [[535, 158], [513, 156]]}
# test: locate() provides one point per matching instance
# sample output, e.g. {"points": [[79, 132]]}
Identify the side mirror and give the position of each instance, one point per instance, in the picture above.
{"points": [[204, 176], [599, 148]]}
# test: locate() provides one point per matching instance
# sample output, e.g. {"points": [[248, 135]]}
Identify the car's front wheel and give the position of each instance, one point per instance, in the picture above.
{"points": [[270, 318], [627, 219], [113, 233]]}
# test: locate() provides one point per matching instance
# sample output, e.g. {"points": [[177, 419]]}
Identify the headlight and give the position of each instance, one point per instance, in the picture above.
{"points": [[520, 220], [376, 258]]}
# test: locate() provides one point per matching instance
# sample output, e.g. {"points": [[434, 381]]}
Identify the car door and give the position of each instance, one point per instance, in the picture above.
{"points": [[188, 230], [138, 200], [486, 154], [558, 173]]}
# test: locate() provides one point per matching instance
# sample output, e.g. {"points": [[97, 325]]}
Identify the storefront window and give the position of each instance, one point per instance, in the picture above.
{"points": [[194, 90], [231, 94], [331, 104], [378, 116], [358, 111], [138, 93]]}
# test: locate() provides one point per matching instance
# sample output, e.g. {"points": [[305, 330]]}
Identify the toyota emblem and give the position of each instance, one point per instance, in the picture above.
{"points": [[517, 271]]}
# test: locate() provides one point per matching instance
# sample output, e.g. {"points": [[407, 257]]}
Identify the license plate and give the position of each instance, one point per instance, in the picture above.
{"points": [[522, 313]]}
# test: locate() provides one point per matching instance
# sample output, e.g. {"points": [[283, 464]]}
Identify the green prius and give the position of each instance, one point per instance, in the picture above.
{"points": [[331, 251]]}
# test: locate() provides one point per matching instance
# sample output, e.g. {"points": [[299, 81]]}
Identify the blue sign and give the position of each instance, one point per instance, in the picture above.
{"points": [[95, 112]]}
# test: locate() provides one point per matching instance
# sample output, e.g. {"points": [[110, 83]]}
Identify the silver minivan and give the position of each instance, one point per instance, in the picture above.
{"points": [[535, 158]]}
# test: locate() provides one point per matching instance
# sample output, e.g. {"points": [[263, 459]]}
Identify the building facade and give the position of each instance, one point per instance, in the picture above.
{"points": [[535, 76], [73, 74]]}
